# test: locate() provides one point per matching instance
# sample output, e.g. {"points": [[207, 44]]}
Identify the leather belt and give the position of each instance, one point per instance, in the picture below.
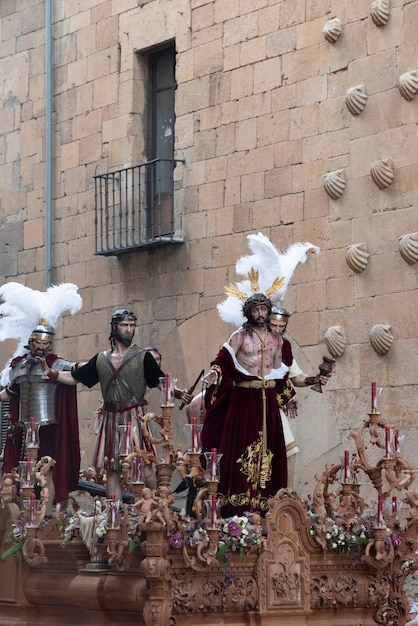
{"points": [[256, 384], [119, 407]]}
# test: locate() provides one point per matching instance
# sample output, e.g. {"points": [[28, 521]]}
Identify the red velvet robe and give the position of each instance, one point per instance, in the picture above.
{"points": [[60, 441], [232, 424], [284, 388]]}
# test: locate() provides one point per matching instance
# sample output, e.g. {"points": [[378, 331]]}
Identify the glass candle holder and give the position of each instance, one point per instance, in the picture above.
{"points": [[376, 391], [397, 441], [112, 512], [391, 509], [212, 506], [127, 434], [32, 434], [388, 441], [380, 507], [27, 473], [31, 508], [212, 471], [98, 419], [192, 434], [168, 384], [137, 471], [346, 474]]}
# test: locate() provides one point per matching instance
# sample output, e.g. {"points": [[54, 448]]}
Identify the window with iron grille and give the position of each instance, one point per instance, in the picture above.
{"points": [[135, 205]]}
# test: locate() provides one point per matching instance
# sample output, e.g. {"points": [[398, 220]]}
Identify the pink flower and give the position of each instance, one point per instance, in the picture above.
{"points": [[176, 540], [396, 540], [234, 529]]}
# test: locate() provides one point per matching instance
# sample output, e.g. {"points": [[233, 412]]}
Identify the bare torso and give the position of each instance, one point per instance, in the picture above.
{"points": [[258, 352]]}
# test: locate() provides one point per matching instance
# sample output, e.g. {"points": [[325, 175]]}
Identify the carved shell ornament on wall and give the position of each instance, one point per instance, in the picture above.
{"points": [[381, 338], [355, 99], [408, 247], [408, 84], [332, 30], [335, 340], [357, 257], [383, 172], [334, 183], [380, 11]]}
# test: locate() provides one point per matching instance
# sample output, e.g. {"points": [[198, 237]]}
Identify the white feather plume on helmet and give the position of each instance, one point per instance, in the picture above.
{"points": [[23, 309], [268, 271]]}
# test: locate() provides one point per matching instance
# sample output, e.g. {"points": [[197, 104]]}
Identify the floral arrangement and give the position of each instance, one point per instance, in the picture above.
{"points": [[350, 538], [189, 531], [16, 538], [92, 527], [339, 536], [235, 534], [238, 533]]}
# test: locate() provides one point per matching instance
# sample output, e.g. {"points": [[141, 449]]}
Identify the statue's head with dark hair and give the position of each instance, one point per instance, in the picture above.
{"points": [[121, 315], [155, 353], [257, 300]]}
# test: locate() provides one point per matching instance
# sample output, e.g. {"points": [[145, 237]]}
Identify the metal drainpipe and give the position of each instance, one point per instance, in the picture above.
{"points": [[48, 140]]}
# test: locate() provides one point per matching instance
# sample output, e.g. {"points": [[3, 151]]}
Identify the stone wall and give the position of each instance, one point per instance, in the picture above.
{"points": [[261, 118]]}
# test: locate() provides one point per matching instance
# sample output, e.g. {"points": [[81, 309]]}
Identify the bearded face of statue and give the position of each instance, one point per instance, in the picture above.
{"points": [[124, 332], [39, 347]]}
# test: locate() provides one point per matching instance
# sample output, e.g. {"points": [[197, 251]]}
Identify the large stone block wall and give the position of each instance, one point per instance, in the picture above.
{"points": [[260, 120]]}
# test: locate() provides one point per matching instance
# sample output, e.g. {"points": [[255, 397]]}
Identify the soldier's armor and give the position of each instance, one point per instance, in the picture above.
{"points": [[37, 395]]}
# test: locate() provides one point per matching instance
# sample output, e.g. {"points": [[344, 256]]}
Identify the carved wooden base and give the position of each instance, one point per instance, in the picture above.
{"points": [[288, 580]]}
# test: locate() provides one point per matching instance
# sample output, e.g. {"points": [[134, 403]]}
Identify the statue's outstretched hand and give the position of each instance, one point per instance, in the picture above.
{"points": [[324, 379], [44, 365], [210, 378], [292, 408]]}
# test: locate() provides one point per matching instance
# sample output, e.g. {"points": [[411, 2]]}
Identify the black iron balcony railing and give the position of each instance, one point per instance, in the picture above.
{"points": [[135, 207]]}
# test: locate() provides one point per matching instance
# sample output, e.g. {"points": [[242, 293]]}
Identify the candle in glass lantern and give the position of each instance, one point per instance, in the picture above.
{"points": [[388, 434], [354, 469], [213, 510], [128, 437], [28, 470], [112, 509], [380, 509], [194, 435], [136, 476], [396, 441], [31, 439], [374, 400], [346, 466], [167, 388], [394, 506], [213, 471], [32, 508]]}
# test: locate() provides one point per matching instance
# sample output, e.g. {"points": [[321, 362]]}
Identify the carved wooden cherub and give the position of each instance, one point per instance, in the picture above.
{"points": [[163, 512], [7, 489], [145, 506], [42, 469], [411, 499]]}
